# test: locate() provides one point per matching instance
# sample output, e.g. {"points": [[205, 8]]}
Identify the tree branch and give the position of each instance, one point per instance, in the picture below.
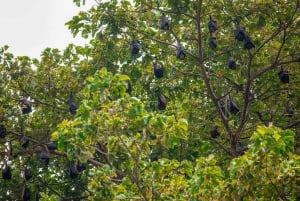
{"points": [[249, 82], [204, 72]]}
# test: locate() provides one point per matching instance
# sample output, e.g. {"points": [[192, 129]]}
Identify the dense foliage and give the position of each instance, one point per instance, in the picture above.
{"points": [[171, 100]]}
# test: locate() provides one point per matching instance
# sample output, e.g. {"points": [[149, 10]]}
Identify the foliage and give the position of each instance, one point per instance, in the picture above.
{"points": [[134, 148]]}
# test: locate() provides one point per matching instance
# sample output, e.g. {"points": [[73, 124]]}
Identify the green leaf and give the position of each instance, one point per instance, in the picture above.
{"points": [[123, 77], [81, 136], [183, 124]]}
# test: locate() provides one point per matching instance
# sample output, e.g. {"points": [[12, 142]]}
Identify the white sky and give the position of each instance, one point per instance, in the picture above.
{"points": [[29, 26]]}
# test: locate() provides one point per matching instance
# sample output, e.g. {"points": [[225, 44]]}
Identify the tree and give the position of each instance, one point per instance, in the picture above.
{"points": [[221, 122]]}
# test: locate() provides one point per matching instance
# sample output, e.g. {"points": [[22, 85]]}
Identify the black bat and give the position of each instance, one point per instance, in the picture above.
{"points": [[164, 22]]}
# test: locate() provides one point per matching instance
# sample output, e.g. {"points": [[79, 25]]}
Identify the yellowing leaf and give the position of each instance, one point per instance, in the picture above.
{"points": [[54, 136], [124, 77], [90, 79], [103, 72], [64, 123], [276, 136], [183, 124], [261, 129], [75, 123]]}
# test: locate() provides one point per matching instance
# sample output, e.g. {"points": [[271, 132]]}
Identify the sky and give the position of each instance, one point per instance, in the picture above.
{"points": [[29, 26]]}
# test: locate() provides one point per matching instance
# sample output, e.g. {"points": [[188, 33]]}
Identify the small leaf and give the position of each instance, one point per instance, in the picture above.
{"points": [[276, 136], [54, 136], [183, 124], [90, 79], [81, 136], [261, 130], [121, 197], [103, 71], [124, 77]]}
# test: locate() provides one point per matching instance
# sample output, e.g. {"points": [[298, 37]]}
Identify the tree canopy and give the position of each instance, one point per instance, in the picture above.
{"points": [[170, 100]]}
